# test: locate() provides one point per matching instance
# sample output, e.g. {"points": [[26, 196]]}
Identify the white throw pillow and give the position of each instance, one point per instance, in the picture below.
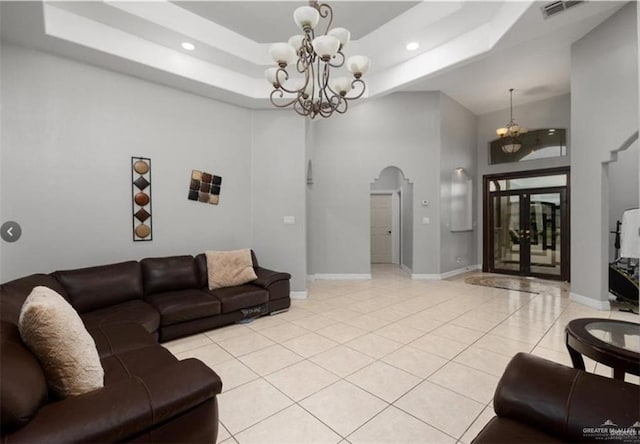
{"points": [[229, 268], [54, 332]]}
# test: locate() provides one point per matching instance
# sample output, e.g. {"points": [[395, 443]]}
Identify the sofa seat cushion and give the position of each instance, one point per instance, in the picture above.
{"points": [[112, 339], [136, 311], [136, 363], [124, 410], [239, 297], [184, 305]]}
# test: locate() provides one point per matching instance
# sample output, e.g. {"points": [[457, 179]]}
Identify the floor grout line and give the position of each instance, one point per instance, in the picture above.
{"points": [[493, 302]]}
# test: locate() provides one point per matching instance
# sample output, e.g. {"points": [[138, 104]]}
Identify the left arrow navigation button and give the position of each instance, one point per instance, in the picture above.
{"points": [[10, 231]]}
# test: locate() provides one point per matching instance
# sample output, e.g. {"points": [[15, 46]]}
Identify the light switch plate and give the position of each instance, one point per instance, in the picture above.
{"points": [[289, 220], [426, 220]]}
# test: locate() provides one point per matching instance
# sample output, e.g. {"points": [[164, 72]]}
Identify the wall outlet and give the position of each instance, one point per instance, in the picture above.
{"points": [[426, 220], [289, 220]]}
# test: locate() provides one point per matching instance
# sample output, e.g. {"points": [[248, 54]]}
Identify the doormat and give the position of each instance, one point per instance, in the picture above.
{"points": [[509, 283]]}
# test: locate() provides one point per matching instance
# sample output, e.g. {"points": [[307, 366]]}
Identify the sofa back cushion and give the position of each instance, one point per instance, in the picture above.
{"points": [[14, 293], [201, 266], [169, 274], [98, 287], [23, 388]]}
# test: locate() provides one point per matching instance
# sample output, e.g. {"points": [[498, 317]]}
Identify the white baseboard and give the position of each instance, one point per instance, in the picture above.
{"points": [[589, 302], [343, 276], [298, 294], [448, 274], [425, 277], [405, 268], [458, 271]]}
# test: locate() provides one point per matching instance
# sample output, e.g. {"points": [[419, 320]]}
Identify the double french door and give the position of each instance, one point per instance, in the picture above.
{"points": [[526, 229]]}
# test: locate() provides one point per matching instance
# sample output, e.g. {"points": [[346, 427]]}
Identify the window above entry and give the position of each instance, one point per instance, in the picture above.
{"points": [[535, 144]]}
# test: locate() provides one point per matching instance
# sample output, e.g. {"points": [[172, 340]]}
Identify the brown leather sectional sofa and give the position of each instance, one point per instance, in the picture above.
{"points": [[539, 401], [168, 296], [148, 394]]}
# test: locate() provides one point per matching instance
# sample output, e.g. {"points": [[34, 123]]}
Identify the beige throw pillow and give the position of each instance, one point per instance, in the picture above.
{"points": [[54, 332], [229, 268]]}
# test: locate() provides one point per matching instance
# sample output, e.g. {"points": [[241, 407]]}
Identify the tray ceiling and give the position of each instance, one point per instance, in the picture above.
{"points": [[463, 44]]}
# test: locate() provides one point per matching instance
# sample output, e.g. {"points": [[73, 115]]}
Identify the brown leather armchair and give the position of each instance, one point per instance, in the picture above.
{"points": [[539, 401]]}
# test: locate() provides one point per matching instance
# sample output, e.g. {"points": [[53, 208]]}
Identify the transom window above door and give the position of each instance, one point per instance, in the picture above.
{"points": [[535, 144], [518, 183]]}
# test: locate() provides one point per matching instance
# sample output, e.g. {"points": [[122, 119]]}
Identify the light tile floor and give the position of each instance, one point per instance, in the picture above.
{"points": [[386, 360]]}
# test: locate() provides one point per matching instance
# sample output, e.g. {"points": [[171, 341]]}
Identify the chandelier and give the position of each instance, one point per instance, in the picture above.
{"points": [[509, 135], [318, 91]]}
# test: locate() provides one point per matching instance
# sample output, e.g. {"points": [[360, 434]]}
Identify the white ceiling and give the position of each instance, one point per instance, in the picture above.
{"points": [[533, 58], [272, 21], [472, 50]]}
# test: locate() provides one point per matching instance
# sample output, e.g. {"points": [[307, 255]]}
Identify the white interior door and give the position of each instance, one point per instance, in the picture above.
{"points": [[381, 221]]}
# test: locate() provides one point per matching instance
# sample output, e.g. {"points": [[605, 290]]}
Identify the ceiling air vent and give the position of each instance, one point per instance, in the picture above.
{"points": [[554, 8]]}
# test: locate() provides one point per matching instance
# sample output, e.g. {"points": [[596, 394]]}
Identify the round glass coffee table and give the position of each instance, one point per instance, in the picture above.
{"points": [[613, 343]]}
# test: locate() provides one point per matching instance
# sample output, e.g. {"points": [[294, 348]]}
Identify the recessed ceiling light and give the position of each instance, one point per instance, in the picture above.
{"points": [[188, 46], [412, 46]]}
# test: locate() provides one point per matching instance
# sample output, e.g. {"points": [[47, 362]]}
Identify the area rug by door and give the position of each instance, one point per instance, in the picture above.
{"points": [[509, 283]]}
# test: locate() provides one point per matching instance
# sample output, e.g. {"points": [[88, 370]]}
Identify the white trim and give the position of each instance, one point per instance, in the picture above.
{"points": [[345, 276], [426, 277], [395, 228], [590, 302], [458, 271], [448, 274], [298, 294]]}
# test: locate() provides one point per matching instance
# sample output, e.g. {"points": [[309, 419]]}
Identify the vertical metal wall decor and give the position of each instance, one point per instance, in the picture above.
{"points": [[141, 199]]}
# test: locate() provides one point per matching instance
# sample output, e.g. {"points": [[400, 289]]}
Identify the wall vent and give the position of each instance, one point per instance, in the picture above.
{"points": [[554, 8]]}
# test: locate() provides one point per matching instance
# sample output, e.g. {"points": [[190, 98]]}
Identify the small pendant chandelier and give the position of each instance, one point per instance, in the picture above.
{"points": [[509, 135], [317, 92]]}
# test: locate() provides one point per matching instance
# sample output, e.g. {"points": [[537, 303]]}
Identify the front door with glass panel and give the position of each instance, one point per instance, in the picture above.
{"points": [[527, 229]]}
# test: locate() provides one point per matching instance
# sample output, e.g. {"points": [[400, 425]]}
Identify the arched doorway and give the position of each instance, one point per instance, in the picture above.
{"points": [[391, 199]]}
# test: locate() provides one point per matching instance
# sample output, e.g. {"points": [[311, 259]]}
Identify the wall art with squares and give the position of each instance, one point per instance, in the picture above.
{"points": [[204, 187], [141, 198]]}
